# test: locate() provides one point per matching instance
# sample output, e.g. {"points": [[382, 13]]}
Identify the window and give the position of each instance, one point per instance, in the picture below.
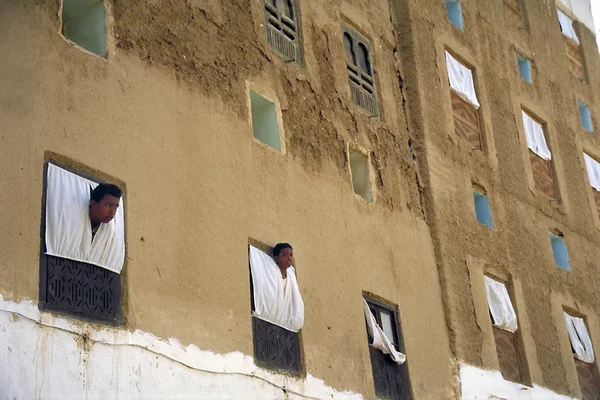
{"points": [[360, 70], [265, 126], [583, 353], [559, 250], [540, 157], [584, 116], [79, 277], [524, 67], [390, 370], [361, 174], [454, 13], [465, 106], [84, 23], [482, 209], [276, 319], [571, 44], [281, 29], [504, 325], [593, 170]]}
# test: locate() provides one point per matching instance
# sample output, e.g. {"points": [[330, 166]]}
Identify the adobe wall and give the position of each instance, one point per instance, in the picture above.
{"points": [[167, 114], [518, 249]]}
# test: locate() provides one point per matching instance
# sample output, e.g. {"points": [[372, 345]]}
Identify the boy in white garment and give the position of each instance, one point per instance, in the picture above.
{"points": [[283, 254]]}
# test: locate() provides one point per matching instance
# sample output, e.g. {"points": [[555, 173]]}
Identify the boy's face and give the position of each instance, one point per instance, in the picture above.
{"points": [[285, 259], [105, 210]]}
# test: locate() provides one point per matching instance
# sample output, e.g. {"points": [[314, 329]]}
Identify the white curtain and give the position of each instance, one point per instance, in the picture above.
{"points": [[580, 339], [461, 79], [566, 26], [68, 226], [500, 305], [593, 170], [276, 300], [380, 340], [534, 134]]}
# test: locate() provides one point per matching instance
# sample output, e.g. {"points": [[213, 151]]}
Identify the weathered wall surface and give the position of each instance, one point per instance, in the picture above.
{"points": [[167, 114], [518, 249]]}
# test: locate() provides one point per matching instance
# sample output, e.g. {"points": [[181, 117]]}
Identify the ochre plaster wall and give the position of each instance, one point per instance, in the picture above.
{"points": [[167, 114]]}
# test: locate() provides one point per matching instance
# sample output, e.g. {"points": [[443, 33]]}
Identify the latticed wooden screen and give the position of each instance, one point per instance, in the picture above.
{"points": [[507, 345], [543, 175], [575, 60], [80, 288], [281, 29], [466, 121], [276, 347], [588, 381], [359, 63]]}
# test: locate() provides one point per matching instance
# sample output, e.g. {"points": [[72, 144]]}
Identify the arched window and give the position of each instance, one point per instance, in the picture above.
{"points": [[363, 58], [349, 49]]}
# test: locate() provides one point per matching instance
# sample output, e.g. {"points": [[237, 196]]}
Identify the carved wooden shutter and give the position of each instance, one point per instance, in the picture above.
{"points": [[281, 29], [542, 175], [575, 60], [360, 74], [466, 121], [587, 380], [507, 345], [276, 347]]}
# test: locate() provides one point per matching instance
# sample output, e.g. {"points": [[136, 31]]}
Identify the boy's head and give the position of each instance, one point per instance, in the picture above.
{"points": [[283, 254], [104, 202]]}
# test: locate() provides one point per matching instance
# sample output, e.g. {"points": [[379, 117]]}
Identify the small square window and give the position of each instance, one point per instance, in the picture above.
{"points": [[524, 67], [265, 126], [454, 13], [361, 174], [559, 249], [84, 23], [482, 209], [585, 116]]}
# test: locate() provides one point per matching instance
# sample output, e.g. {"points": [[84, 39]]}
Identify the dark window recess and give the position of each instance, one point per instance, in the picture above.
{"points": [[281, 29], [360, 71], [275, 347], [507, 345], [77, 288], [391, 380]]}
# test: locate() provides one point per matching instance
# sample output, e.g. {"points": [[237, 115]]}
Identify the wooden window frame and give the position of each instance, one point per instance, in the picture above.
{"points": [[363, 92], [390, 380], [588, 380], [74, 288], [542, 170], [465, 128], [282, 32], [507, 366]]}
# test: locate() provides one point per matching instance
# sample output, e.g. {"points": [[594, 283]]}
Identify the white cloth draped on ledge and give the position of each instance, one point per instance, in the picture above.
{"points": [[534, 134], [500, 305], [68, 226], [461, 79], [380, 340], [593, 170], [566, 26], [276, 300], [580, 339]]}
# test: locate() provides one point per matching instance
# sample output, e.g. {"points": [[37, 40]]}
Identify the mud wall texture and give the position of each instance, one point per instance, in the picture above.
{"points": [[518, 249], [167, 114]]}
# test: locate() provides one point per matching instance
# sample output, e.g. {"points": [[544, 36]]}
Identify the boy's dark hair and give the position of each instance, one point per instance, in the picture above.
{"points": [[103, 189], [280, 246]]}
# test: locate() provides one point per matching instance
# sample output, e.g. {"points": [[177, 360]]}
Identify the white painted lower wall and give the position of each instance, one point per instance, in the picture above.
{"points": [[477, 383], [43, 356]]}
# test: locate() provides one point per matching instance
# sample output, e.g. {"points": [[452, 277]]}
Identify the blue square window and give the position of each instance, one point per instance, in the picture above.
{"points": [[524, 67], [559, 249], [454, 13], [482, 209], [585, 116]]}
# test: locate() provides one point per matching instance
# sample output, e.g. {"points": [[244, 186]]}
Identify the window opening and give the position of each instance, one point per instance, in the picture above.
{"points": [[265, 125], [482, 209], [504, 326], [583, 353], [585, 116], [361, 174], [524, 67], [593, 170], [559, 250], [454, 13], [84, 23], [281, 29], [540, 156], [390, 370], [573, 50], [360, 72], [465, 106]]}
